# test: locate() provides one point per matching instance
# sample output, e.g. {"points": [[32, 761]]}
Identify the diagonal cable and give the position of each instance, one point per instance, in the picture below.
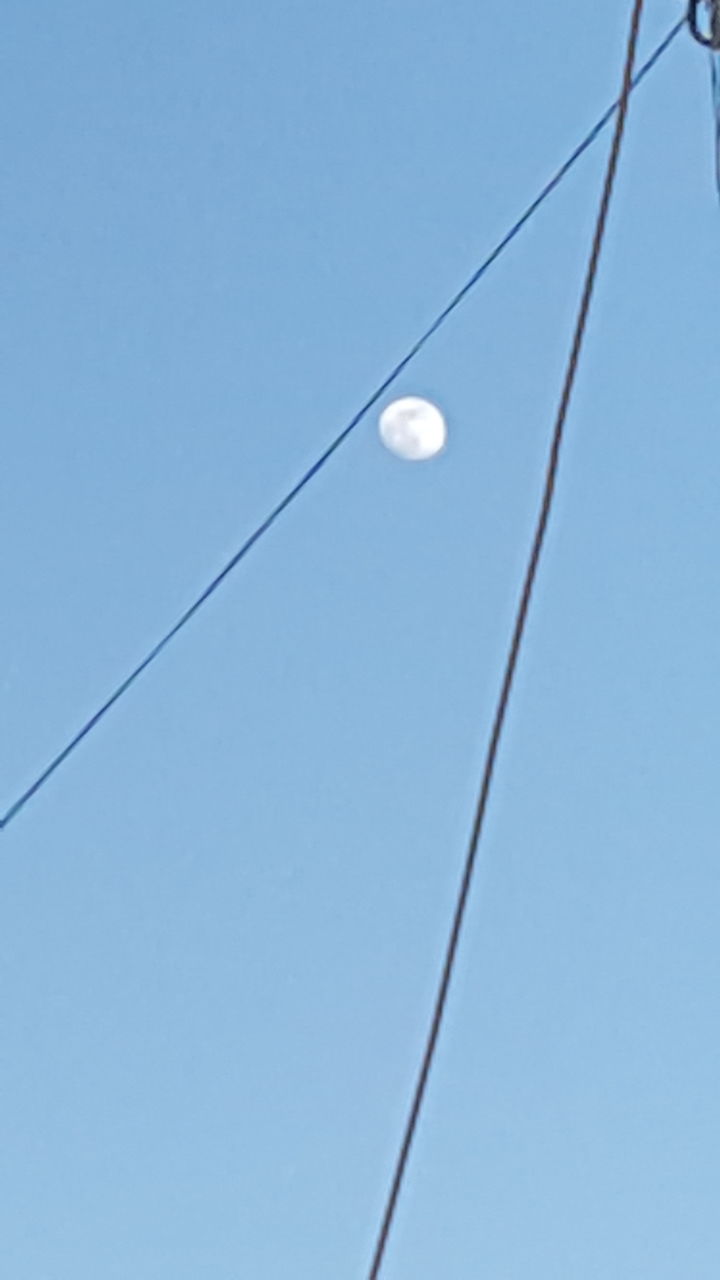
{"points": [[516, 641], [325, 457]]}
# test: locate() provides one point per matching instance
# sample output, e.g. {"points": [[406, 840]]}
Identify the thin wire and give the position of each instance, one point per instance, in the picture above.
{"points": [[512, 659], [715, 74], [318, 465]]}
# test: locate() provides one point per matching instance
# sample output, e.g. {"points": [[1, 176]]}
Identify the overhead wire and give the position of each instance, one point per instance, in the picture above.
{"points": [[706, 30], [715, 87], [715, 91], [74, 742], [513, 653]]}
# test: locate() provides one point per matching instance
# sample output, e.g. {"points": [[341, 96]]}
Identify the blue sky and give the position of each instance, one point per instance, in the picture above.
{"points": [[220, 923]]}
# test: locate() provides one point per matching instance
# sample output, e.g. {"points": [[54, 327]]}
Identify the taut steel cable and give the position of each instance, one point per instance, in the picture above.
{"points": [[99, 714], [438, 1011]]}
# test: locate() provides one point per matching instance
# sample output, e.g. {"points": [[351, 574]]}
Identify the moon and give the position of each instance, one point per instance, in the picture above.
{"points": [[413, 429]]}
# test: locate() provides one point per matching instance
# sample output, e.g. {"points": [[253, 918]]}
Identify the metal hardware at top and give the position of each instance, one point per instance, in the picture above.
{"points": [[706, 32]]}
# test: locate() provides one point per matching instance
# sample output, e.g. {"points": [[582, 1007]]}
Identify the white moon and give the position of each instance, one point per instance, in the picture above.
{"points": [[413, 429]]}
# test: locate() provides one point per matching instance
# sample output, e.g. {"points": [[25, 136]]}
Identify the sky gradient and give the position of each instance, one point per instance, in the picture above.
{"points": [[221, 922]]}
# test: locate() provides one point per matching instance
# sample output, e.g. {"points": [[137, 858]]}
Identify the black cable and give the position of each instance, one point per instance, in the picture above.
{"points": [[317, 466], [715, 88], [511, 661], [707, 33]]}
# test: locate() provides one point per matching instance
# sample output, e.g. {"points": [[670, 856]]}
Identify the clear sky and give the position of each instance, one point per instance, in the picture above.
{"points": [[220, 923]]}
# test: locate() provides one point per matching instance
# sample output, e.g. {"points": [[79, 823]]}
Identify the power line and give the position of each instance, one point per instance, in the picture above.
{"points": [[715, 83], [518, 633], [325, 457], [707, 33]]}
